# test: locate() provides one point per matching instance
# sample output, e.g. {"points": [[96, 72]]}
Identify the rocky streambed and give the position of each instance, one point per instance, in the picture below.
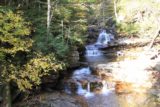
{"points": [[126, 77], [109, 77]]}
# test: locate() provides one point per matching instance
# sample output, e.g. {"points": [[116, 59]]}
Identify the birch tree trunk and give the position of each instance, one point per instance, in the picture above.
{"points": [[103, 8], [48, 16], [115, 9]]}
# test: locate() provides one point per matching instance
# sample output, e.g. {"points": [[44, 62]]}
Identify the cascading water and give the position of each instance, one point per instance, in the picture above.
{"points": [[79, 76], [89, 93], [102, 41], [88, 87], [80, 89], [93, 53], [104, 38], [82, 71], [92, 50], [105, 88], [84, 82], [83, 77]]}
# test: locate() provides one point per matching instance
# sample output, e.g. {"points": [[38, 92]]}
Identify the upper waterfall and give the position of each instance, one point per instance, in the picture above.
{"points": [[104, 38]]}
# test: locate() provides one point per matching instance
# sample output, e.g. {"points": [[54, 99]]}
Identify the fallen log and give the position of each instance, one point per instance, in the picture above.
{"points": [[156, 35], [131, 43]]}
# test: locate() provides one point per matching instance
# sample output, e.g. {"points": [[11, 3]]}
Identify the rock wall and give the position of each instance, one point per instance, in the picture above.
{"points": [[73, 58]]}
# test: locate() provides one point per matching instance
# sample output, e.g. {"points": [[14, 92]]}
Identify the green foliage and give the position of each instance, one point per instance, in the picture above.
{"points": [[36, 68], [78, 1], [27, 52], [14, 31], [2, 56], [18, 63], [68, 28], [127, 28], [70, 23]]}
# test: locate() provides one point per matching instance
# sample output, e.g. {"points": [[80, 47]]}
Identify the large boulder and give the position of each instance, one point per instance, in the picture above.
{"points": [[49, 82], [73, 58]]}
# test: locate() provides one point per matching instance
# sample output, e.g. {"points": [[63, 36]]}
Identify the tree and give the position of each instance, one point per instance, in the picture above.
{"points": [[48, 16], [30, 46], [18, 63]]}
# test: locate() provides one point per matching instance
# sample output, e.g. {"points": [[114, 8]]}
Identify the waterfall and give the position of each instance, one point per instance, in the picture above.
{"points": [[88, 87], [82, 71], [80, 89], [92, 50], [93, 54], [105, 89], [89, 93], [79, 75], [104, 38]]}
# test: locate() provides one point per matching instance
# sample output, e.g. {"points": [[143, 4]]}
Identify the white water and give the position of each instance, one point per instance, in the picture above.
{"points": [[79, 75], [89, 93], [104, 38], [84, 92], [80, 89], [88, 87], [105, 90], [92, 50], [82, 71]]}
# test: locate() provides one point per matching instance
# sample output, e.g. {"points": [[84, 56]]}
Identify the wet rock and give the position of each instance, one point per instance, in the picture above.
{"points": [[74, 59], [157, 66], [93, 32], [106, 71], [53, 100], [70, 86], [88, 78], [49, 82], [123, 87]]}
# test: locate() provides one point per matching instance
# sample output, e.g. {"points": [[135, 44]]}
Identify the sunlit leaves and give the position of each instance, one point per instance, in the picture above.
{"points": [[144, 13], [26, 52], [14, 31], [36, 68]]}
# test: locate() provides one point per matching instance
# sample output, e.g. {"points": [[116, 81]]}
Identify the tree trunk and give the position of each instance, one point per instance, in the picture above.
{"points": [[115, 9], [7, 96], [62, 27], [154, 38], [139, 43], [48, 16], [103, 8]]}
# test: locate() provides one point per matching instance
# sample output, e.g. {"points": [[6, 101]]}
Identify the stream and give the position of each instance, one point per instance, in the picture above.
{"points": [[97, 84]]}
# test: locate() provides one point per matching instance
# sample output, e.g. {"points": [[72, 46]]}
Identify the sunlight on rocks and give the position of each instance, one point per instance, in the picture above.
{"points": [[134, 72]]}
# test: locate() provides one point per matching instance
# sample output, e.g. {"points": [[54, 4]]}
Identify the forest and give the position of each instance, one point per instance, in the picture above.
{"points": [[48, 45]]}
